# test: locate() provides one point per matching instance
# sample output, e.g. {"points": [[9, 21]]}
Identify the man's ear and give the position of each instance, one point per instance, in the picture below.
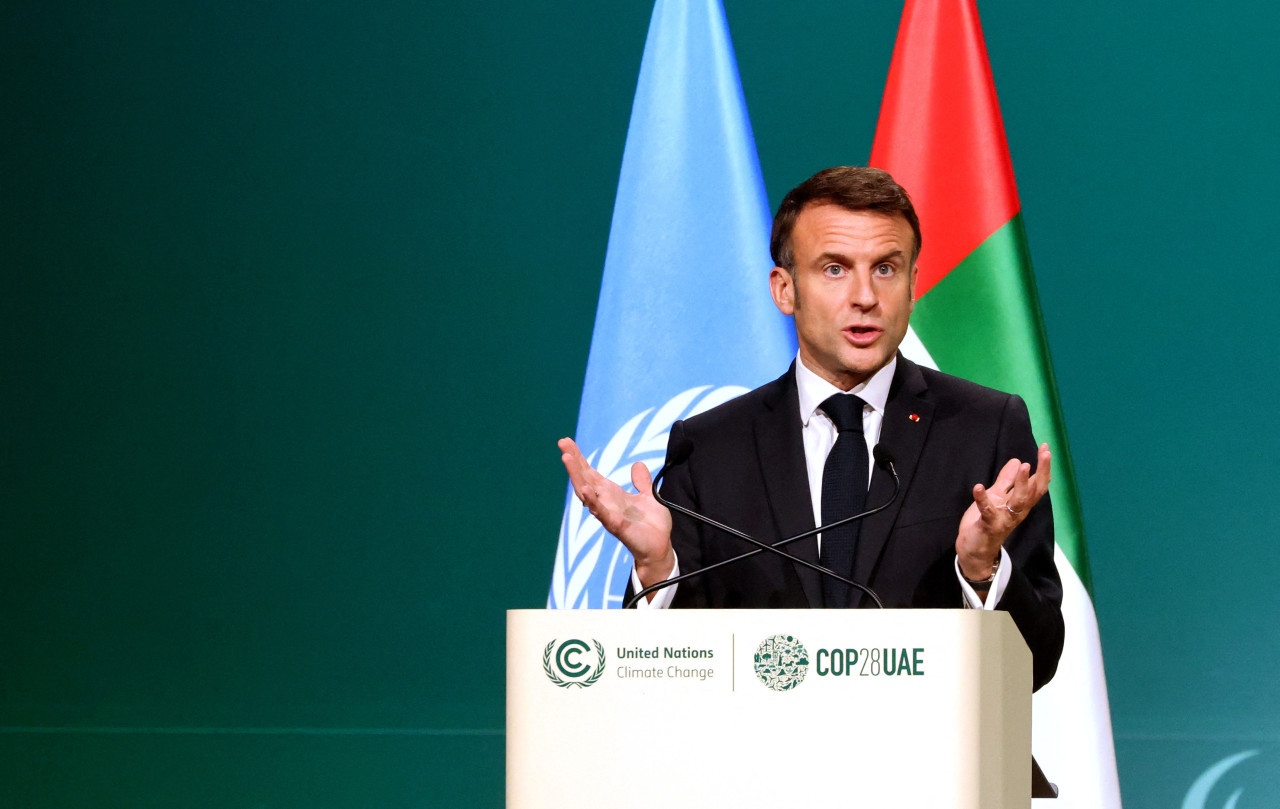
{"points": [[783, 288], [915, 271]]}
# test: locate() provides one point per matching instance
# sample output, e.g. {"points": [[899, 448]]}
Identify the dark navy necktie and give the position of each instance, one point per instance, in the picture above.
{"points": [[844, 493]]}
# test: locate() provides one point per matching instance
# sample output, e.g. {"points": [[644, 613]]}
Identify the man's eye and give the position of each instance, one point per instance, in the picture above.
{"points": [[834, 270], [886, 269]]}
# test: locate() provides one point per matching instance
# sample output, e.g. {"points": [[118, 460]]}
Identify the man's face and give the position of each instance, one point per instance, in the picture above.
{"points": [[852, 293]]}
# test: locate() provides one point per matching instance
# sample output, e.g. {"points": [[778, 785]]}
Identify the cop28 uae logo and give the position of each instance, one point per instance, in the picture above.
{"points": [[565, 666], [781, 662]]}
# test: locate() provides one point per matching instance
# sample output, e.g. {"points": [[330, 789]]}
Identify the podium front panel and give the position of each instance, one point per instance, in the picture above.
{"points": [[741, 708]]}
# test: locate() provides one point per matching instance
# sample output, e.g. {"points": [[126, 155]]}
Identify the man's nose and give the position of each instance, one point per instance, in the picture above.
{"points": [[862, 292]]}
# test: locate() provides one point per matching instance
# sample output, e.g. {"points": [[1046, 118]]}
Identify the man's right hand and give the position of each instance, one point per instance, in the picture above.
{"points": [[638, 520]]}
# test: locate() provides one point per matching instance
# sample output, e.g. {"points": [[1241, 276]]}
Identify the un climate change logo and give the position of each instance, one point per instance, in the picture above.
{"points": [[568, 662], [781, 662]]}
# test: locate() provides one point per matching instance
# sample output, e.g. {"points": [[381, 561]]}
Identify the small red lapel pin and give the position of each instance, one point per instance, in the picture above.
{"points": [[914, 417]]}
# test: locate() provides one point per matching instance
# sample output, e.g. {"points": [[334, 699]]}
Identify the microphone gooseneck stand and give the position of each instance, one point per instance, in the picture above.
{"points": [[679, 454]]}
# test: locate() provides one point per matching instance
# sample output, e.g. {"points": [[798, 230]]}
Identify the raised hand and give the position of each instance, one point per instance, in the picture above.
{"points": [[639, 521], [997, 510]]}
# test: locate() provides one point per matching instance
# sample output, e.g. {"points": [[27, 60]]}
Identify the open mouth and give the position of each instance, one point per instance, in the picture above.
{"points": [[863, 335]]}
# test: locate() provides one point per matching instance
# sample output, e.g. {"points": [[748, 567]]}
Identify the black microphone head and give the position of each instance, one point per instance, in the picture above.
{"points": [[884, 458], [679, 448]]}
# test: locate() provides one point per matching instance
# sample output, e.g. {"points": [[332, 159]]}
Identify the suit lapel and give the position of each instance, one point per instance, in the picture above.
{"points": [[907, 417], [781, 452]]}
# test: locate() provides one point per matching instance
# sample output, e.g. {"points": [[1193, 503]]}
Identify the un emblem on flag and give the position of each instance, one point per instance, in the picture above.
{"points": [[592, 567], [781, 662]]}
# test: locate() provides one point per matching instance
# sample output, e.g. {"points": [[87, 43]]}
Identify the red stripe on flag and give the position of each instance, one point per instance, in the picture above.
{"points": [[941, 136]]}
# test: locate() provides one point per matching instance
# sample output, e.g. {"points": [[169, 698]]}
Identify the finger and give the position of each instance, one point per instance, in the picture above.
{"points": [[571, 466], [1022, 479], [641, 478], [570, 447], [1008, 474], [570, 455], [991, 512], [1038, 485], [1021, 495], [1044, 468], [577, 475], [582, 476], [985, 505]]}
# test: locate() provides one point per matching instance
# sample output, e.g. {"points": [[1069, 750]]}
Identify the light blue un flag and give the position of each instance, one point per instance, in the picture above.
{"points": [[685, 320]]}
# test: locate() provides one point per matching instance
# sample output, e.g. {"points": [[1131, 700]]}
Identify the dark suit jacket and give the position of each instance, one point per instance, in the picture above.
{"points": [[747, 469]]}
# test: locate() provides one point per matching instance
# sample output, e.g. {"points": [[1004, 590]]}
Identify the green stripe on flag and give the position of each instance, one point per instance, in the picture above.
{"points": [[982, 322]]}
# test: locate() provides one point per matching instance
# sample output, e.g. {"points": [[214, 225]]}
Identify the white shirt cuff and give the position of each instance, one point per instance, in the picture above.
{"points": [[971, 598], [662, 598]]}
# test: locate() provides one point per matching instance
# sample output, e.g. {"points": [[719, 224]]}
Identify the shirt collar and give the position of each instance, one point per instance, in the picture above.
{"points": [[814, 390]]}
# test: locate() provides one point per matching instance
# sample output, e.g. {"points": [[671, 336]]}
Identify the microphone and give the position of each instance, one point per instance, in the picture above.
{"points": [[883, 457], [680, 451]]}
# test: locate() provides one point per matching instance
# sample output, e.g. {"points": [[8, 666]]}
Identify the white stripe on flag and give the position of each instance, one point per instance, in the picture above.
{"points": [[1071, 721]]}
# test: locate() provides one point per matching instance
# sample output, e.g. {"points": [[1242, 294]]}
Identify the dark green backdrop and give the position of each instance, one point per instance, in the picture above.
{"points": [[297, 297]]}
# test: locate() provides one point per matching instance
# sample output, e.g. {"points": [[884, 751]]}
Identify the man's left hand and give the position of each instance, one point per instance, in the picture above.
{"points": [[997, 510]]}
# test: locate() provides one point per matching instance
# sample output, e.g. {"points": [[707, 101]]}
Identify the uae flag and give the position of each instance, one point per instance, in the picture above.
{"points": [[978, 316]]}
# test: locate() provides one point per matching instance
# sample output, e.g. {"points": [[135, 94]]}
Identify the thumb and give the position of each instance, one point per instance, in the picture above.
{"points": [[641, 479]]}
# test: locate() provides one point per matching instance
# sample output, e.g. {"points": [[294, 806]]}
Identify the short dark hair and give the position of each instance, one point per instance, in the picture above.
{"points": [[854, 188]]}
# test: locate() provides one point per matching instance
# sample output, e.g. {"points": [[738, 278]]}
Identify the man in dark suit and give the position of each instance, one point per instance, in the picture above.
{"points": [[795, 453]]}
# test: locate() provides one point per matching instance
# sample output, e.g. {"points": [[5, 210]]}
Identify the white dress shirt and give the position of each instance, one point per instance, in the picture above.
{"points": [[819, 435]]}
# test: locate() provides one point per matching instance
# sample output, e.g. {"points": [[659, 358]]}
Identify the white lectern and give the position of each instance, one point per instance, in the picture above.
{"points": [[745, 708]]}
